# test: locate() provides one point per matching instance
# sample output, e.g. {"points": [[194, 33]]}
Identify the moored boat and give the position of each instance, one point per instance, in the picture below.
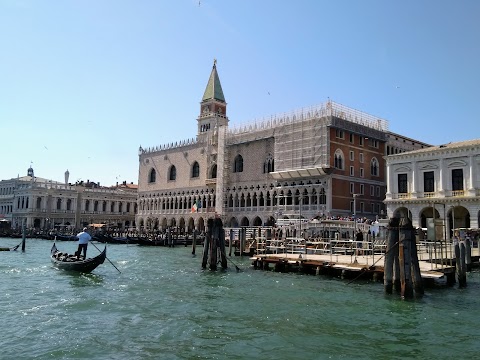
{"points": [[69, 262]]}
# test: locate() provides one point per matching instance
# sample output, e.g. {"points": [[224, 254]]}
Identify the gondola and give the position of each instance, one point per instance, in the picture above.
{"points": [[69, 263]]}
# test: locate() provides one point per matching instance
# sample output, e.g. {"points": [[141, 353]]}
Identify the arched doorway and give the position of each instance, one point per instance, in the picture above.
{"points": [[257, 221], [427, 213], [245, 222], [458, 217]]}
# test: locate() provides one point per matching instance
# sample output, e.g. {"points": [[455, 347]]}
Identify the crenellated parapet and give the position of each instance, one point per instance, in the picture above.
{"points": [[329, 108], [170, 146]]}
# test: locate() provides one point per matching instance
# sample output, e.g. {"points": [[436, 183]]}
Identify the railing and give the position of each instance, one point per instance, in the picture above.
{"points": [[458, 193], [439, 254], [429, 194]]}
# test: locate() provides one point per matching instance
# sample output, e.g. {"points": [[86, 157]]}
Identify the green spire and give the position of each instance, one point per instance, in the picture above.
{"points": [[213, 89]]}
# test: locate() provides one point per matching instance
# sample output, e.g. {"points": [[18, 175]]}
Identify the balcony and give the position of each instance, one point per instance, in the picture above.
{"points": [[212, 181], [429, 194], [403, 196], [458, 193]]}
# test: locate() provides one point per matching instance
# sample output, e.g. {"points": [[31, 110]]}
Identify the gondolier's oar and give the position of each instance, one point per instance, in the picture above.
{"points": [[106, 257]]}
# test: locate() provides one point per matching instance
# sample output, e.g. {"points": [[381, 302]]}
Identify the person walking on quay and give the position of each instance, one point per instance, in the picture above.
{"points": [[359, 241], [83, 239]]}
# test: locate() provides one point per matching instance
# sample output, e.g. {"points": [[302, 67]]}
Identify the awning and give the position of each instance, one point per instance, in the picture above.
{"points": [[301, 173]]}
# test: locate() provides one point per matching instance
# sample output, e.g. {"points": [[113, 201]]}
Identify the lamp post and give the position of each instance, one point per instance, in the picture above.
{"points": [[355, 223], [355, 212]]}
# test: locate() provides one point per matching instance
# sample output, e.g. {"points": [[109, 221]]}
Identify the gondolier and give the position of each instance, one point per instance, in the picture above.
{"points": [[83, 239]]}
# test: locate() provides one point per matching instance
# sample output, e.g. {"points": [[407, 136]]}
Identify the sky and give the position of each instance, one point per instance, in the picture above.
{"points": [[85, 83]]}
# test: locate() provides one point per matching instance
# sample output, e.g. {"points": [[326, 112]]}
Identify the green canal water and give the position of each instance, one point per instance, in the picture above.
{"points": [[163, 306]]}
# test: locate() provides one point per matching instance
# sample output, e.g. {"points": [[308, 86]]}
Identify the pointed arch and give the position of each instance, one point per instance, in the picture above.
{"points": [[339, 160], [374, 168], [172, 173], [238, 164], [213, 172], [152, 176], [195, 170]]}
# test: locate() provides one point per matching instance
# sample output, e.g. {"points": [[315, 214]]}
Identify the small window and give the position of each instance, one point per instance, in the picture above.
{"points": [[352, 188], [351, 138], [374, 167], [360, 140], [360, 157], [213, 173], [195, 170], [372, 190], [362, 189], [338, 160], [362, 173], [352, 156], [402, 184], [152, 176], [339, 134], [172, 173], [378, 191], [352, 171], [238, 164], [457, 179]]}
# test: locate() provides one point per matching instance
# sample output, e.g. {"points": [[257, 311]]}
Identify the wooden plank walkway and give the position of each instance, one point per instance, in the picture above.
{"points": [[350, 263]]}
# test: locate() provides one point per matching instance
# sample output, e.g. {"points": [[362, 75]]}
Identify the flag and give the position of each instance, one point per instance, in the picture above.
{"points": [[194, 207]]}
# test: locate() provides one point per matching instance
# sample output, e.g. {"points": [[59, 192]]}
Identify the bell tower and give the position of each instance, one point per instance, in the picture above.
{"points": [[213, 108]]}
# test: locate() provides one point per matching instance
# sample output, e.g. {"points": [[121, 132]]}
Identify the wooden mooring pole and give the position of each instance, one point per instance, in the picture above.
{"points": [[214, 241], [391, 255], [194, 241], [460, 265], [23, 235], [402, 269]]}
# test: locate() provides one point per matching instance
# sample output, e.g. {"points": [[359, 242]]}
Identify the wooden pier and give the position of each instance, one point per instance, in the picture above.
{"points": [[340, 258], [346, 266]]}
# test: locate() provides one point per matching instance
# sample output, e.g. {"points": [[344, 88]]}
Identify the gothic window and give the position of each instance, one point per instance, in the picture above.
{"points": [[59, 204], [213, 172], [195, 170], [323, 196], [152, 177], [172, 174], [238, 164], [374, 167], [338, 161], [268, 165]]}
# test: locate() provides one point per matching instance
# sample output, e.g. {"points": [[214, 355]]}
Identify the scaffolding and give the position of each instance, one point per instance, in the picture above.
{"points": [[301, 136]]}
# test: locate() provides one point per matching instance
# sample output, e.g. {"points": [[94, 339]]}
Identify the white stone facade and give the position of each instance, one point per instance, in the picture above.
{"points": [[441, 182], [44, 204]]}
